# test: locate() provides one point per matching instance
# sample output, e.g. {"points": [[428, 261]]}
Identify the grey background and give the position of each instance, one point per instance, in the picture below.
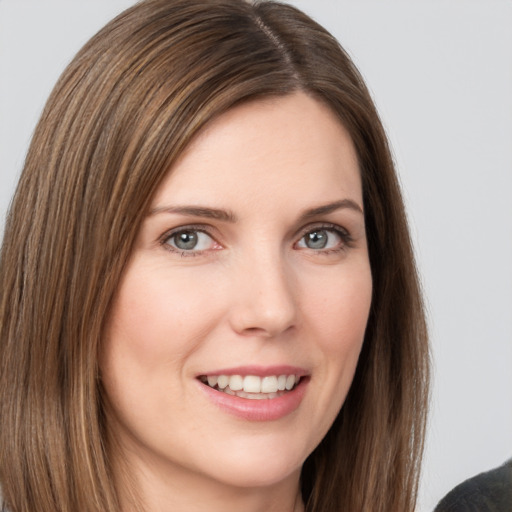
{"points": [[441, 75]]}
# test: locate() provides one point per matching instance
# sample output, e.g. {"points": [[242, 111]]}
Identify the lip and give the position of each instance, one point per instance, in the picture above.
{"points": [[258, 410]]}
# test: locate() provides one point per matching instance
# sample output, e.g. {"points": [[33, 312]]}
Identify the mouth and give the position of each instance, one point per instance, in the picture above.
{"points": [[256, 393], [253, 387]]}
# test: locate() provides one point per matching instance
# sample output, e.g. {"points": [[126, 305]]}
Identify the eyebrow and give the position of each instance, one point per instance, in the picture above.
{"points": [[197, 211], [229, 216], [332, 207]]}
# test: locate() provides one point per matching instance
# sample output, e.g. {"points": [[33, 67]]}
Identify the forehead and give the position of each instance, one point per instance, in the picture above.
{"points": [[292, 145]]}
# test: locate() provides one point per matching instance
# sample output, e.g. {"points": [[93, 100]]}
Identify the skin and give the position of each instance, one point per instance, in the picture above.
{"points": [[251, 292]]}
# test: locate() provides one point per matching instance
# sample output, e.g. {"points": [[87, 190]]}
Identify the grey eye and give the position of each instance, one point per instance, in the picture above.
{"points": [[190, 240], [185, 240], [321, 239], [316, 239]]}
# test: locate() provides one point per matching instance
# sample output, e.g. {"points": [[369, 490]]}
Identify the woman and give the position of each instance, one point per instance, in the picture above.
{"points": [[209, 215]]}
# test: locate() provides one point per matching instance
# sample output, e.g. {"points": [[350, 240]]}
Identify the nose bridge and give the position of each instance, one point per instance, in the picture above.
{"points": [[266, 302]]}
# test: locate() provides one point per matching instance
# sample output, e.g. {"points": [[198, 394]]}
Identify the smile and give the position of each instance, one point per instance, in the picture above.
{"points": [[256, 393], [252, 387]]}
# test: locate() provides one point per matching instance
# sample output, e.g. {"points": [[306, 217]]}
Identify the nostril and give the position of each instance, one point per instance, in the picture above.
{"points": [[254, 330], [262, 332]]}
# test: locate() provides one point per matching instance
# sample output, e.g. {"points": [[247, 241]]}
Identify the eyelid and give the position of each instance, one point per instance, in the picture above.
{"points": [[202, 228], [342, 232], [322, 225], [330, 226]]}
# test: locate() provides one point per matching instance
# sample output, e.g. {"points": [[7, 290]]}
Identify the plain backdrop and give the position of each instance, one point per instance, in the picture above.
{"points": [[441, 75]]}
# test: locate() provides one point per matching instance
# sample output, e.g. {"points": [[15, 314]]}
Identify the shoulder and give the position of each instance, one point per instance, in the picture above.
{"points": [[487, 492]]}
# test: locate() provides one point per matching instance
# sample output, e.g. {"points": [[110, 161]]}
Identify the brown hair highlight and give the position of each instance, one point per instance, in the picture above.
{"points": [[122, 112]]}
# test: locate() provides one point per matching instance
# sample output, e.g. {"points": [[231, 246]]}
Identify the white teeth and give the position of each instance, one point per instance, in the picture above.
{"points": [[252, 396], [222, 381], [252, 386], [236, 382], [269, 384], [290, 382]]}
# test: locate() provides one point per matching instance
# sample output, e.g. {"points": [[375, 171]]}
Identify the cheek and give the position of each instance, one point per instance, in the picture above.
{"points": [[337, 315], [340, 309], [147, 339], [154, 316]]}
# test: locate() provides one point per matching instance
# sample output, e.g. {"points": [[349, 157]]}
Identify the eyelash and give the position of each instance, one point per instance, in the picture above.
{"points": [[346, 239], [343, 234], [183, 229]]}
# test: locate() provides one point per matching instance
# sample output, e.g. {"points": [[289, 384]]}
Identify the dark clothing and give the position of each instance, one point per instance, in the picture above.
{"points": [[486, 492]]}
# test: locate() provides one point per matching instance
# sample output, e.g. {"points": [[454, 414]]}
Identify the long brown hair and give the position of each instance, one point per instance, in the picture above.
{"points": [[120, 115]]}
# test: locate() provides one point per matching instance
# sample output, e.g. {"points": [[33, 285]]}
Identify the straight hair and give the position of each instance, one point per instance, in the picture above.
{"points": [[119, 117]]}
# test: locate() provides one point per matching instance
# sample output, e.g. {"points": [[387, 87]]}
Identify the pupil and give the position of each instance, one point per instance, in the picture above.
{"points": [[186, 240], [316, 240]]}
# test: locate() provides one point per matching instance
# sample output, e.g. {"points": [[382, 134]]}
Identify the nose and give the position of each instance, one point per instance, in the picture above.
{"points": [[265, 298]]}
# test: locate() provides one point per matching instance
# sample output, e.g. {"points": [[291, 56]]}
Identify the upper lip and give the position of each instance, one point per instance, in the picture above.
{"points": [[260, 371]]}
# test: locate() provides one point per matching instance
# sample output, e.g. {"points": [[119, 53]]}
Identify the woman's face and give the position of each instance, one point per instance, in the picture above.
{"points": [[250, 273]]}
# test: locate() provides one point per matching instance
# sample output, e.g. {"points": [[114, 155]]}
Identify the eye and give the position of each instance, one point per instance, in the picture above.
{"points": [[190, 240], [324, 239]]}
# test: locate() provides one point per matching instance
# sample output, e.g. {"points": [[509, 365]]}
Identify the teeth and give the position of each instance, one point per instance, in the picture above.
{"points": [[290, 382], [269, 385], [222, 381], [252, 396], [236, 383], [252, 386]]}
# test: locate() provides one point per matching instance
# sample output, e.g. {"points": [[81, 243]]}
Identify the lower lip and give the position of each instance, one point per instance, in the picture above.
{"points": [[258, 410]]}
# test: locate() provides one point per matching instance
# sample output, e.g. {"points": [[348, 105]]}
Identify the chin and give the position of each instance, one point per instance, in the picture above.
{"points": [[262, 468], [258, 477]]}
